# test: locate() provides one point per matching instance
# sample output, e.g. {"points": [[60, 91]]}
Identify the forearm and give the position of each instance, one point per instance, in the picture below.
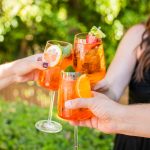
{"points": [[110, 92], [121, 69], [118, 77], [4, 82], [7, 69], [134, 120]]}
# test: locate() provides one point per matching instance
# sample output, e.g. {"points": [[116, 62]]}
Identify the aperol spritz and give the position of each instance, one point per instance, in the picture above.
{"points": [[73, 85], [54, 53], [89, 54]]}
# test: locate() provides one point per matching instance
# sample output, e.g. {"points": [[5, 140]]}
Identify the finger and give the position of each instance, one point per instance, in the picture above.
{"points": [[88, 123], [45, 65], [95, 94], [85, 123], [39, 65], [36, 75], [39, 58], [82, 123], [74, 123], [36, 62], [94, 122], [21, 79], [103, 84], [79, 103]]}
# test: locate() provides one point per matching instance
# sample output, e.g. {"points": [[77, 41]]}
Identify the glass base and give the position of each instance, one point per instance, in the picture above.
{"points": [[48, 126]]}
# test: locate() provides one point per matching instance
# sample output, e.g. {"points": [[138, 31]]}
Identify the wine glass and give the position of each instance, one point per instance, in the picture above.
{"points": [[67, 91], [89, 57], [54, 53]]}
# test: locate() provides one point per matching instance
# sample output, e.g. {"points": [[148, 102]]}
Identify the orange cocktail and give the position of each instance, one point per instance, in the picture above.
{"points": [[89, 56], [71, 88], [50, 77], [55, 52]]}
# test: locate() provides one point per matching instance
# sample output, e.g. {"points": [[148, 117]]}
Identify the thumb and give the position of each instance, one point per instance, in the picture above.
{"points": [[101, 85], [79, 103], [37, 62]]}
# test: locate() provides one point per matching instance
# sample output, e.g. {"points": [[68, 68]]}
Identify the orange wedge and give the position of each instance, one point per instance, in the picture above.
{"points": [[83, 88], [53, 55]]}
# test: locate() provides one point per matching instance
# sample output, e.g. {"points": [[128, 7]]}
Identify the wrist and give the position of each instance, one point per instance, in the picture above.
{"points": [[114, 117], [12, 79], [123, 124], [15, 67], [117, 119]]}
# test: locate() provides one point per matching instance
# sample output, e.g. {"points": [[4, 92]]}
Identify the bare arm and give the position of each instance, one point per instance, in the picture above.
{"points": [[120, 71], [20, 70], [20, 66], [135, 120], [7, 69], [4, 82], [112, 117]]}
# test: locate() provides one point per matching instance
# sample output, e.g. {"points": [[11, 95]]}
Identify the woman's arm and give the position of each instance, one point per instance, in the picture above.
{"points": [[21, 70], [4, 82], [135, 120], [122, 66], [20, 66], [7, 69], [112, 117]]}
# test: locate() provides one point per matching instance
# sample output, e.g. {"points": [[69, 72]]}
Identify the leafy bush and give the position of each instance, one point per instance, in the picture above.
{"points": [[17, 131], [25, 26]]}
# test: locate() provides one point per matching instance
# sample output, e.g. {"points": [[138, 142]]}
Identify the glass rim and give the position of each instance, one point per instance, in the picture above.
{"points": [[59, 41], [81, 33], [82, 36], [71, 73]]}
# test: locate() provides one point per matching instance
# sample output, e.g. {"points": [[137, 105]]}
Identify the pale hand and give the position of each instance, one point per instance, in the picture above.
{"points": [[103, 109], [101, 86], [27, 69]]}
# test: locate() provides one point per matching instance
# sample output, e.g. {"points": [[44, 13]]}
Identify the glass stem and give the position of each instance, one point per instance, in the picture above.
{"points": [[52, 97], [76, 138]]}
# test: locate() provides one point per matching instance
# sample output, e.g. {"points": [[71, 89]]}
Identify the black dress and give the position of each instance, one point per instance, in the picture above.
{"points": [[138, 93]]}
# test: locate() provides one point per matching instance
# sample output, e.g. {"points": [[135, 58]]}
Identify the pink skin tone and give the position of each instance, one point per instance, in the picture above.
{"points": [[110, 116], [21, 70]]}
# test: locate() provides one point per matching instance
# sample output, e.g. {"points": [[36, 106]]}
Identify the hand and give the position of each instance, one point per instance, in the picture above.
{"points": [[101, 86], [104, 87], [28, 68], [104, 110]]}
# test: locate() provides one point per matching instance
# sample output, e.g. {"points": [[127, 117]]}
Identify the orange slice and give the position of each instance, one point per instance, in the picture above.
{"points": [[53, 55], [83, 88]]}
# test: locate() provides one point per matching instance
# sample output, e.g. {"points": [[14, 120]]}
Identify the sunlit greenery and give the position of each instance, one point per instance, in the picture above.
{"points": [[18, 131], [25, 26]]}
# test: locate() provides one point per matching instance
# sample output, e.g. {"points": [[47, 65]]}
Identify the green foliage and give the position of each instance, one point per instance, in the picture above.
{"points": [[18, 131], [25, 26]]}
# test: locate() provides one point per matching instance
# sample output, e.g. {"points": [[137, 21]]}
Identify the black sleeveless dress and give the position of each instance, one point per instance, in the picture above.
{"points": [[138, 93]]}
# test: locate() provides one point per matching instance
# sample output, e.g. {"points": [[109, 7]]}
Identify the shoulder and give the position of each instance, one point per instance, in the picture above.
{"points": [[133, 36], [137, 27], [136, 31]]}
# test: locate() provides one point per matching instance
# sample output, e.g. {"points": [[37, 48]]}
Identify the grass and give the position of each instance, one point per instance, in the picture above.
{"points": [[17, 131]]}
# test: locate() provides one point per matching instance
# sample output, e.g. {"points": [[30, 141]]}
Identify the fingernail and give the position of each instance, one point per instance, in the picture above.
{"points": [[39, 59], [68, 104], [45, 65], [94, 88]]}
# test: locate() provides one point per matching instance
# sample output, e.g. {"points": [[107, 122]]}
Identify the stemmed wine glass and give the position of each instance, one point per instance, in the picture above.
{"points": [[49, 79], [67, 91], [89, 57]]}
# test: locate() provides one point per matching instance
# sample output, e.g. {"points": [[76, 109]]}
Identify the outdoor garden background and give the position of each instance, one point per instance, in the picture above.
{"points": [[25, 26]]}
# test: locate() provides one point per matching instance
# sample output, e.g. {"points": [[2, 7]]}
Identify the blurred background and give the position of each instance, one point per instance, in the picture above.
{"points": [[25, 26]]}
